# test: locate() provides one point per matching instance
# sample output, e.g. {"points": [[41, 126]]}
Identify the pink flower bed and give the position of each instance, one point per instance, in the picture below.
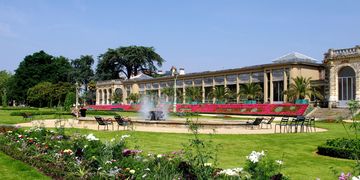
{"points": [[241, 109]]}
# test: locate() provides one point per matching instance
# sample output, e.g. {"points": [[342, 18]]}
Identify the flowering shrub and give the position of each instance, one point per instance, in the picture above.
{"points": [[86, 157]]}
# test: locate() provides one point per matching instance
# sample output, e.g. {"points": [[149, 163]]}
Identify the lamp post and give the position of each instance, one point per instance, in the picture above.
{"points": [[77, 98], [174, 105]]}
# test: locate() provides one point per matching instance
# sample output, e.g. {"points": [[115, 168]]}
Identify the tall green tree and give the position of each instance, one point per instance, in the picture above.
{"points": [[128, 61], [4, 83], [300, 89], [36, 68], [250, 91], [82, 71], [41, 94]]}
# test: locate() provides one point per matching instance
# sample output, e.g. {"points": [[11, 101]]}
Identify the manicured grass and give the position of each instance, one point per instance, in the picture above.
{"points": [[298, 150], [11, 169]]}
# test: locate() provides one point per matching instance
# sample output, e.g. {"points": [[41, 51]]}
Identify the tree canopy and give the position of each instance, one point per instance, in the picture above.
{"points": [[128, 61], [82, 71], [36, 68]]}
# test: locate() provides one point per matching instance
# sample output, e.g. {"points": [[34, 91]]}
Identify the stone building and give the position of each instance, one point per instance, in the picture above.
{"points": [[336, 77]]}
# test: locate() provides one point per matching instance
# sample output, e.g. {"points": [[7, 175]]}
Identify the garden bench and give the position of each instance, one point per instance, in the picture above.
{"points": [[102, 122], [27, 116]]}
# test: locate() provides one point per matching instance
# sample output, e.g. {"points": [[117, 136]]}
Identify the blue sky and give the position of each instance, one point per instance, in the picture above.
{"points": [[198, 35]]}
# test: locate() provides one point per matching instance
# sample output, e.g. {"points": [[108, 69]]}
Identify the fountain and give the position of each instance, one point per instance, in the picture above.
{"points": [[154, 109]]}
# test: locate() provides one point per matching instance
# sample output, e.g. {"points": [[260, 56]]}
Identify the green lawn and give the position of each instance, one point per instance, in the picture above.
{"points": [[299, 150], [14, 169]]}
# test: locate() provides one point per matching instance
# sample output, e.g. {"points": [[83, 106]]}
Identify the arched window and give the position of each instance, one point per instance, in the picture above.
{"points": [[346, 85]]}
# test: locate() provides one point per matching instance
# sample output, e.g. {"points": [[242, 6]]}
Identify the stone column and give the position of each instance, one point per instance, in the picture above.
{"points": [[285, 85], [265, 87], [97, 97], [184, 92], [357, 79], [214, 99], [203, 90], [271, 88], [237, 88], [104, 91], [333, 98]]}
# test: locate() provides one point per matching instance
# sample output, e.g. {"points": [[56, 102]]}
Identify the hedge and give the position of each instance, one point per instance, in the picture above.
{"points": [[21, 113], [18, 108], [109, 113], [341, 148]]}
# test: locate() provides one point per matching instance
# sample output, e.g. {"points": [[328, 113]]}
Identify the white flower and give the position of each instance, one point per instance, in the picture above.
{"points": [[144, 176], [229, 172], [108, 162], [132, 171], [208, 164], [68, 151], [9, 132], [355, 178], [238, 170], [254, 156], [91, 137], [159, 156], [123, 137], [280, 162], [147, 169], [112, 140]]}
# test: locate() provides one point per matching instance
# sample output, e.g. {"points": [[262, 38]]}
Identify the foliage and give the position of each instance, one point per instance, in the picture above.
{"points": [[82, 71], [46, 93], [133, 97], [341, 147], [4, 83], [106, 113], [37, 112], [128, 61], [90, 95], [300, 89], [18, 108], [117, 97], [36, 68], [70, 100], [193, 94], [250, 91], [221, 94]]}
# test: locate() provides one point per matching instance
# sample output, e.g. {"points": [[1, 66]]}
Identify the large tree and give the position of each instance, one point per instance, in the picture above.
{"points": [[4, 82], [36, 68], [301, 88], [82, 71], [128, 61]]}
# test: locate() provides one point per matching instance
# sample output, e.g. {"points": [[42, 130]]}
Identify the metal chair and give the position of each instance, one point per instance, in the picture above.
{"points": [[283, 123], [102, 122], [121, 121], [268, 123], [257, 122]]}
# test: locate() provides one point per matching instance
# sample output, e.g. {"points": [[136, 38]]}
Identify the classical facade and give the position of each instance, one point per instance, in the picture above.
{"points": [[337, 77]]}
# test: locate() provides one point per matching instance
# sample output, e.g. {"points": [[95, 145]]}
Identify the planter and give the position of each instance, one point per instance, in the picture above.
{"points": [[250, 102], [301, 101]]}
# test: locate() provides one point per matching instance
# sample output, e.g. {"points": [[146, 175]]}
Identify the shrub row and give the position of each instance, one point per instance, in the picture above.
{"points": [[21, 113], [341, 148], [106, 113], [18, 108]]}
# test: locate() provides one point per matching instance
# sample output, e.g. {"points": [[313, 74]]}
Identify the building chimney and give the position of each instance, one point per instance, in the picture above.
{"points": [[181, 71]]}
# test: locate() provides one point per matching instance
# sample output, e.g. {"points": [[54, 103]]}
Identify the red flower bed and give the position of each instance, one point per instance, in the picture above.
{"points": [[241, 109], [246, 109]]}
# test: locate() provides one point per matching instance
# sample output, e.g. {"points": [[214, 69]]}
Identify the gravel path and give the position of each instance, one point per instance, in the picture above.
{"points": [[72, 123]]}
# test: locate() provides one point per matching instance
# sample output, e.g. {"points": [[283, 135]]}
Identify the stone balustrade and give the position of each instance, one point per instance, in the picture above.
{"points": [[332, 53]]}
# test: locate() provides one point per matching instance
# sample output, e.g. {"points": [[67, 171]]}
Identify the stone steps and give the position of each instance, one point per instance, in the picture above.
{"points": [[331, 114]]}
